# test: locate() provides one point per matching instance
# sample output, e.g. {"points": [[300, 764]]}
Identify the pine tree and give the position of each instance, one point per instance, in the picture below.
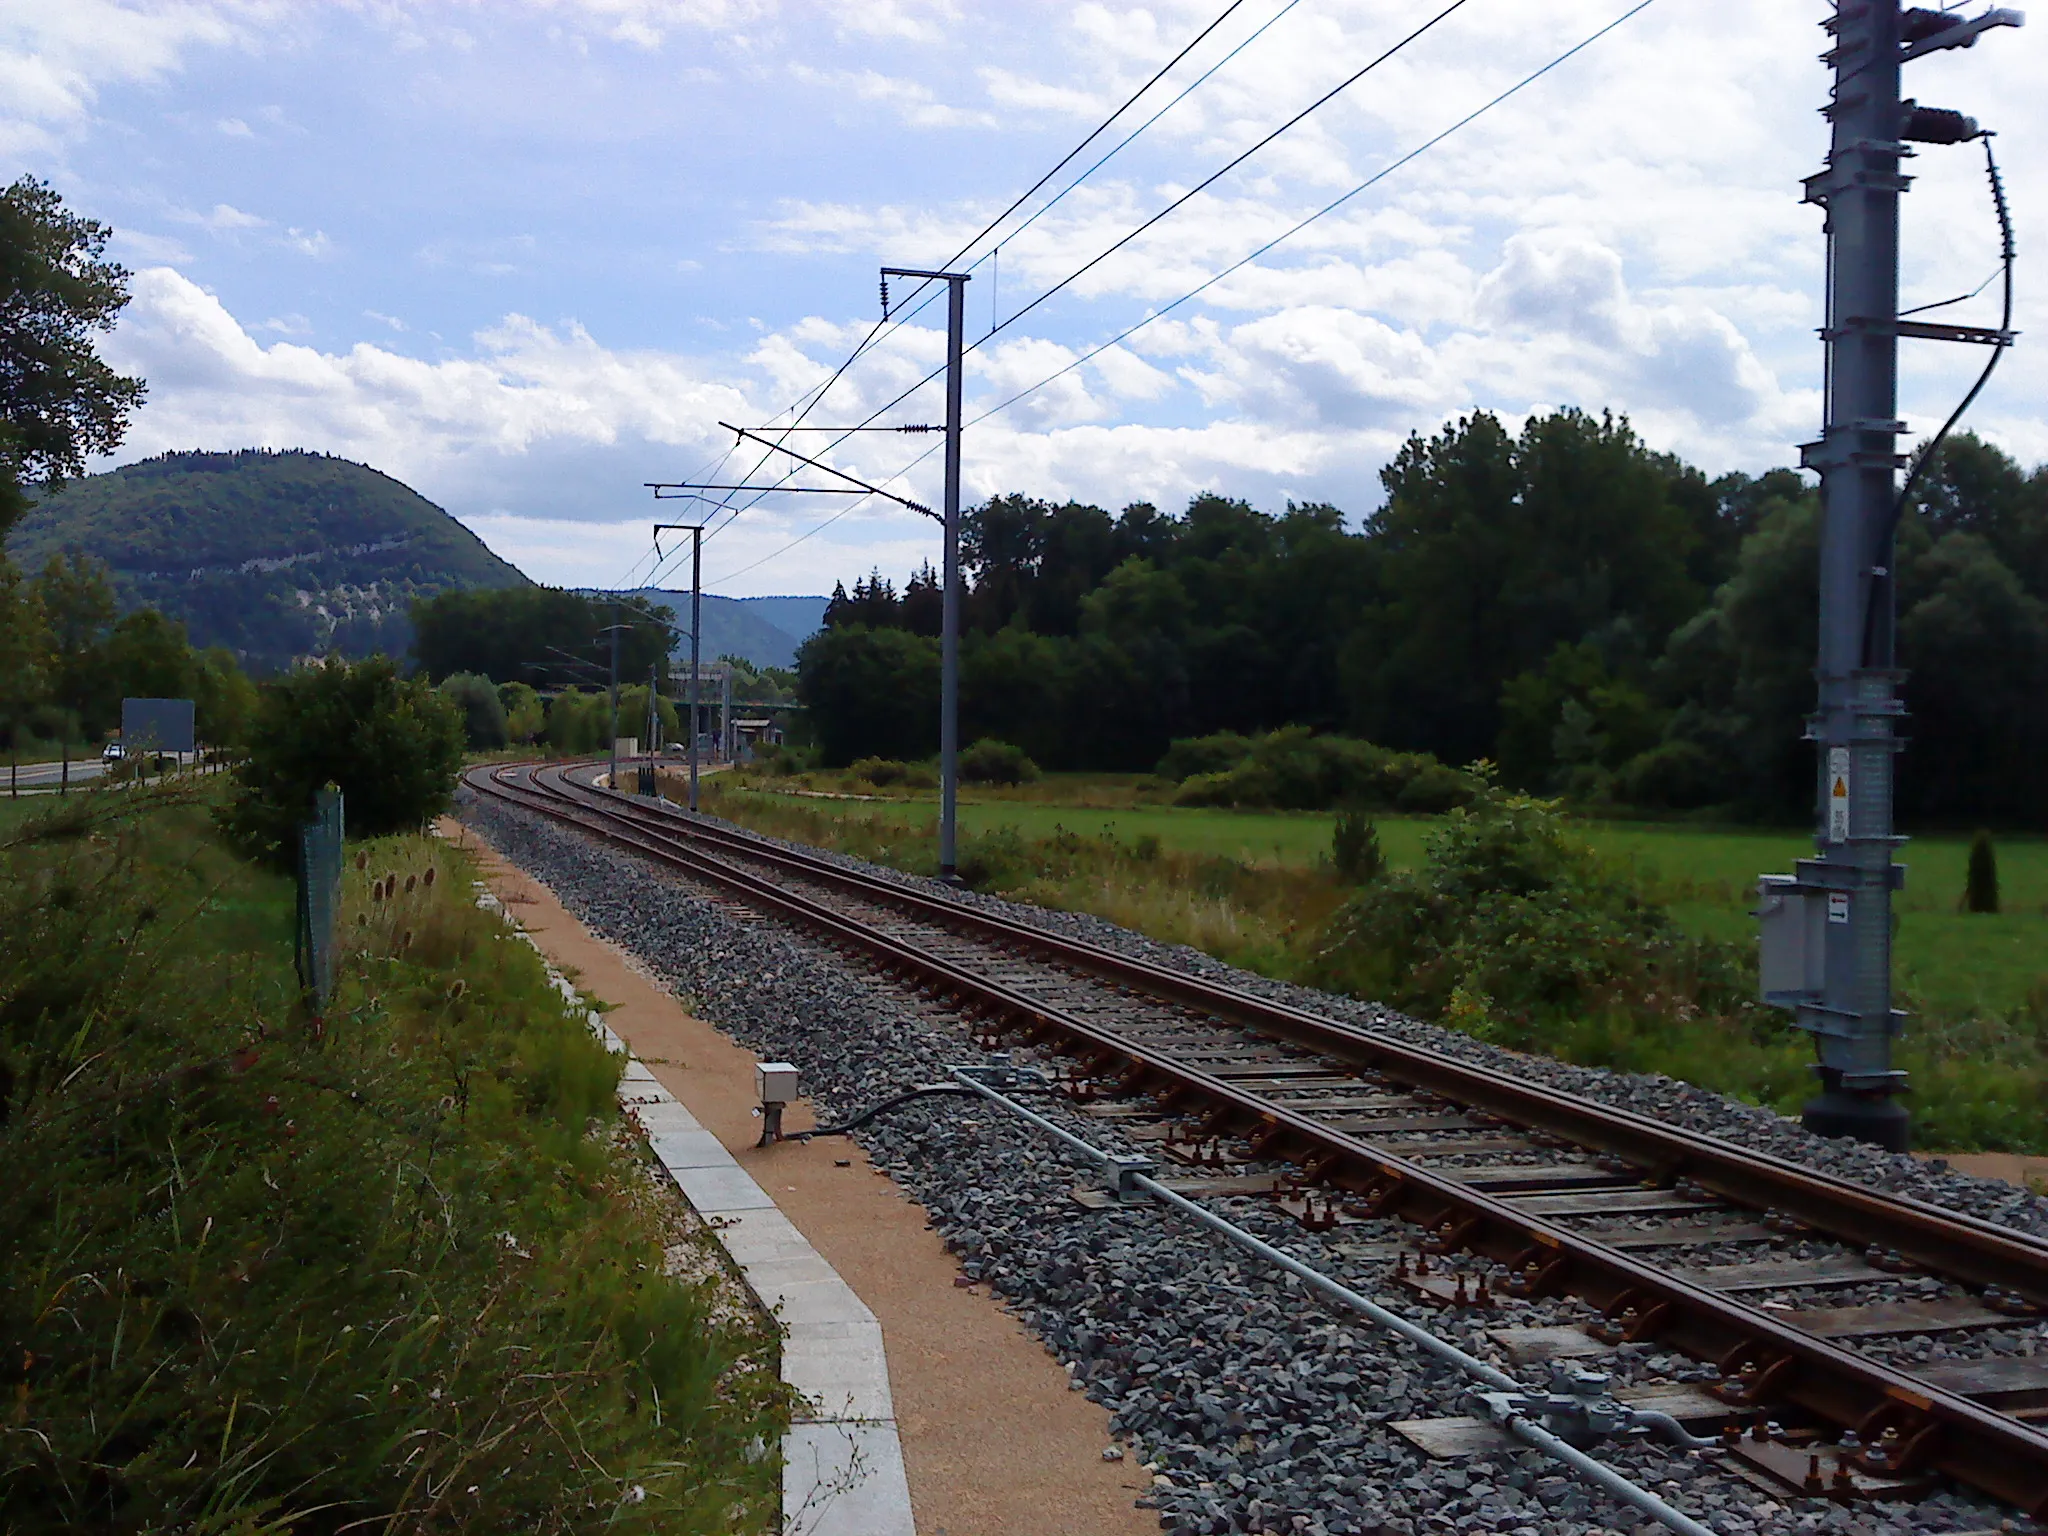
{"points": [[1980, 888]]}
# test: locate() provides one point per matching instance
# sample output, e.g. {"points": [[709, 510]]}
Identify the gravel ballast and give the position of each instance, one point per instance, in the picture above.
{"points": [[1253, 1408]]}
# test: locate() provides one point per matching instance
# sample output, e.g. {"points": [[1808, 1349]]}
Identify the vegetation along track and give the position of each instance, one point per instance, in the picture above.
{"points": [[1519, 1189]]}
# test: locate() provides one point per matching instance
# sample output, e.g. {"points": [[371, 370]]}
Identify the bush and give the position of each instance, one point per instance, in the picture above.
{"points": [[1355, 849], [996, 762], [1980, 883], [1192, 755], [483, 712], [1674, 775], [881, 771], [1433, 788], [1294, 769], [390, 744], [1515, 932]]}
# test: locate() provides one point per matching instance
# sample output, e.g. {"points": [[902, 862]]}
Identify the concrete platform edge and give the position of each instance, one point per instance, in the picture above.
{"points": [[842, 1460]]}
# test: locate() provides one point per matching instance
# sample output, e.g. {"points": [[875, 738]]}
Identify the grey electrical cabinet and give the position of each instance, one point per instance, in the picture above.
{"points": [[1792, 949]]}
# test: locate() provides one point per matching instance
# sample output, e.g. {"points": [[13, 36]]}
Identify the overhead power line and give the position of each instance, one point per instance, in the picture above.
{"points": [[875, 331], [1179, 202], [1217, 175], [1279, 239]]}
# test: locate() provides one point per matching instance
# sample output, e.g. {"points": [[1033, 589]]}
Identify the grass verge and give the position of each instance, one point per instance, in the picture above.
{"points": [[400, 1268]]}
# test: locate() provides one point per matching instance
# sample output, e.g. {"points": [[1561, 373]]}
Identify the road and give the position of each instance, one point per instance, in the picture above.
{"points": [[46, 775]]}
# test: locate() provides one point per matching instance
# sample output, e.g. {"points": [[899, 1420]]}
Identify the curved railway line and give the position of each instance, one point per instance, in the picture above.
{"points": [[1512, 1188]]}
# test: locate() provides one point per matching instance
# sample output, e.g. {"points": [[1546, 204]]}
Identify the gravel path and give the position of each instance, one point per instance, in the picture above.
{"points": [[1254, 1411]]}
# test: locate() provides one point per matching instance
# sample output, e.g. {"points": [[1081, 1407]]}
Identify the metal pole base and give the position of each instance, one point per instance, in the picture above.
{"points": [[1876, 1118], [948, 875]]}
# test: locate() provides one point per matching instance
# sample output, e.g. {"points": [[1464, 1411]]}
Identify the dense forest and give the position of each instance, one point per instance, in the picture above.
{"points": [[1598, 619], [273, 556]]}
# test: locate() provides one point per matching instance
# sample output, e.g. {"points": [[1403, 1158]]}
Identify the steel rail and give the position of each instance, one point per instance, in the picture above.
{"points": [[1977, 1445], [1952, 1243]]}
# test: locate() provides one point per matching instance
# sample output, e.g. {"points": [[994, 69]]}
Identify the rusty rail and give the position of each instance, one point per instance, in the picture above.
{"points": [[1964, 1439]]}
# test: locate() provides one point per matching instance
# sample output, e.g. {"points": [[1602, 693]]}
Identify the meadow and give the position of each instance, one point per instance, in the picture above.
{"points": [[1258, 889]]}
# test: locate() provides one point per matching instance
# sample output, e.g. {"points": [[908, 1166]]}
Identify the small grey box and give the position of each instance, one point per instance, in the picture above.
{"points": [[776, 1082], [1792, 940]]}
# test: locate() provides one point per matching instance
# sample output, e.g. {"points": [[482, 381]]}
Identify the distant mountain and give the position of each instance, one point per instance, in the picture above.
{"points": [[764, 630], [274, 555]]}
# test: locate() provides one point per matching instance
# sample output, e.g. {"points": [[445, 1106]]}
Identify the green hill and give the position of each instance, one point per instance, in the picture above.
{"points": [[274, 555]]}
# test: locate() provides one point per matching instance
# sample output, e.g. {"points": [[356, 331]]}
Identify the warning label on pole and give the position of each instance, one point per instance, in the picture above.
{"points": [[1838, 794]]}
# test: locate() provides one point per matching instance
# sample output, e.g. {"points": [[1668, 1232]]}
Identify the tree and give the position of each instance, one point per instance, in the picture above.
{"points": [[59, 401], [146, 657], [223, 698], [870, 693], [541, 636], [24, 647], [1980, 885], [483, 712], [525, 714], [391, 744], [77, 599]]}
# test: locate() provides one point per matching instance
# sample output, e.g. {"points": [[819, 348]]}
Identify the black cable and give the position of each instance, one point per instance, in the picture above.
{"points": [[1100, 257], [1879, 587], [874, 331], [1210, 180], [1326, 209], [929, 1091]]}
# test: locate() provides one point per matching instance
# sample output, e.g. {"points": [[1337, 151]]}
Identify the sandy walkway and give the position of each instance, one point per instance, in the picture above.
{"points": [[994, 1442]]}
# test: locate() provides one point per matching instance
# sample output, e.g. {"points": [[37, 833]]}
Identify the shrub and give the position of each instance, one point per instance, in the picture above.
{"points": [[391, 744], [1518, 933], [990, 761], [483, 712], [1980, 883], [1294, 769], [1192, 755], [1674, 775], [880, 771], [1355, 849], [1433, 788]]}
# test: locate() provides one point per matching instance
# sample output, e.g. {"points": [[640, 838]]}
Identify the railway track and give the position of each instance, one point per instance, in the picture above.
{"points": [[1676, 1238]]}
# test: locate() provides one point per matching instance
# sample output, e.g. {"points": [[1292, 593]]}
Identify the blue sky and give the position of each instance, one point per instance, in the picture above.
{"points": [[526, 254]]}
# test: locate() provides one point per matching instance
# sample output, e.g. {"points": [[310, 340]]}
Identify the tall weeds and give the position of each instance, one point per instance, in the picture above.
{"points": [[393, 1272]]}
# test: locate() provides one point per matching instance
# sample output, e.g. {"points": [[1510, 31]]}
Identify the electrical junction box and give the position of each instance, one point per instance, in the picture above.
{"points": [[776, 1082], [1792, 939]]}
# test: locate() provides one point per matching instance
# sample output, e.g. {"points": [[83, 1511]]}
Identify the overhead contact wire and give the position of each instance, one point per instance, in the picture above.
{"points": [[876, 330]]}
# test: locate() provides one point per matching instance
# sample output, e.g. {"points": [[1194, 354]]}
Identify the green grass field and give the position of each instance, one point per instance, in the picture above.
{"points": [[1948, 962]]}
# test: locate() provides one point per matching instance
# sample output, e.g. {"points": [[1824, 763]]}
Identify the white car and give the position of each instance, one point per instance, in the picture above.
{"points": [[112, 752]]}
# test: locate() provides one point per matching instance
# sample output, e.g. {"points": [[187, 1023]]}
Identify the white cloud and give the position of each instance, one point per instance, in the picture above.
{"points": [[57, 55], [225, 219], [235, 128], [914, 102], [516, 427]]}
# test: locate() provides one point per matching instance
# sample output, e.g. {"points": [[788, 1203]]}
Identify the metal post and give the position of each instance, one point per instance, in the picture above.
{"points": [[949, 627], [696, 644], [1855, 727], [614, 749], [64, 783], [949, 634], [1842, 994], [651, 787], [725, 715]]}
